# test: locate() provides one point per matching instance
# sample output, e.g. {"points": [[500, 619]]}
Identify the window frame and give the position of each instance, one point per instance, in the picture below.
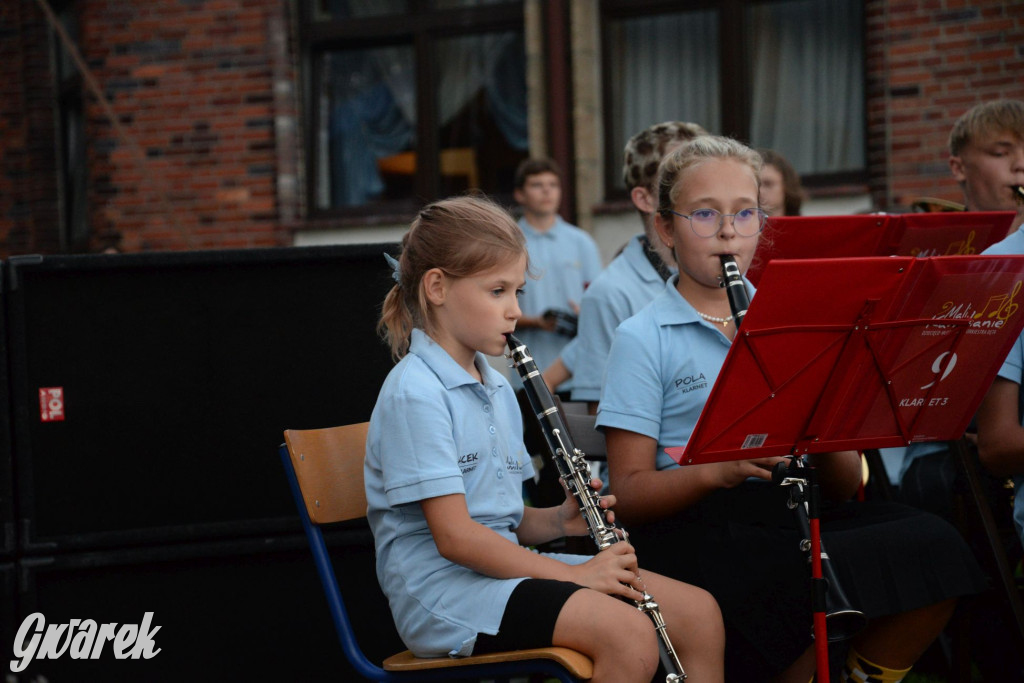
{"points": [[422, 27], [735, 102], [74, 231]]}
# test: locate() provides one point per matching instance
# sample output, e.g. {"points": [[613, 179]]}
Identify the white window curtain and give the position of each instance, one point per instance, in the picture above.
{"points": [[368, 101], [808, 90], [495, 63], [665, 68]]}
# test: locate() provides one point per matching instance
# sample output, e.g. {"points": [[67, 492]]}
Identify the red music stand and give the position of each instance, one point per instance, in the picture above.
{"points": [[807, 237], [909, 234], [849, 354], [963, 233]]}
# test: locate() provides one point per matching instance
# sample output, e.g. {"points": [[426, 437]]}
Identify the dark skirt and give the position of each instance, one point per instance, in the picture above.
{"points": [[743, 546]]}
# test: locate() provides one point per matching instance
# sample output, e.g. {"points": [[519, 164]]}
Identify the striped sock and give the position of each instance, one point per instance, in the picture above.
{"points": [[861, 670]]}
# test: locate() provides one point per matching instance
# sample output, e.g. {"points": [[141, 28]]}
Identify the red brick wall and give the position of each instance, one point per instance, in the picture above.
{"points": [[928, 62], [192, 160], [194, 163], [28, 181]]}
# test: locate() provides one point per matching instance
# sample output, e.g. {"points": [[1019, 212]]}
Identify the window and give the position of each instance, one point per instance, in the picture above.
{"points": [[782, 74], [74, 226], [411, 101]]}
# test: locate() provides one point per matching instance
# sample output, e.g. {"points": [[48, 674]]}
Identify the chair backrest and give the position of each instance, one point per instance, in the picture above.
{"points": [[325, 473], [574, 407], [586, 436], [328, 464]]}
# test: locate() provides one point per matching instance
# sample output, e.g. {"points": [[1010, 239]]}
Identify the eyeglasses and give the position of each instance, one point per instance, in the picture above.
{"points": [[707, 222]]}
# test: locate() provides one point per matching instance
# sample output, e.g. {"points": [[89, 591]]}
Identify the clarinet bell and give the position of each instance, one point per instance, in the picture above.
{"points": [[844, 624], [842, 621]]}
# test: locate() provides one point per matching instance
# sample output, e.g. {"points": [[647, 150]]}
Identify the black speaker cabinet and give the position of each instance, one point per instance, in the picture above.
{"points": [[8, 614], [250, 610], [7, 542], [150, 391]]}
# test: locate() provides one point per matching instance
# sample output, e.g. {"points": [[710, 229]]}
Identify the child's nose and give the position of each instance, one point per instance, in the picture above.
{"points": [[727, 228], [1018, 159]]}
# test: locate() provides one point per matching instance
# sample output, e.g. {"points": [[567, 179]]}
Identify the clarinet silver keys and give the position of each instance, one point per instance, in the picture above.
{"points": [[574, 471]]}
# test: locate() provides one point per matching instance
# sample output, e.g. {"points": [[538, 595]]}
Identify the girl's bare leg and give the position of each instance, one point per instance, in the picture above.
{"points": [[694, 624], [613, 633]]}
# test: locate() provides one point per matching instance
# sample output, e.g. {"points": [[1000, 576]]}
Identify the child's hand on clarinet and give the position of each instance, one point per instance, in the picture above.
{"points": [[569, 515], [613, 571]]}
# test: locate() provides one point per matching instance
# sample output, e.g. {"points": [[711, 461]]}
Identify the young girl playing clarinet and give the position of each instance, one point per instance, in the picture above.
{"points": [[444, 468], [724, 526]]}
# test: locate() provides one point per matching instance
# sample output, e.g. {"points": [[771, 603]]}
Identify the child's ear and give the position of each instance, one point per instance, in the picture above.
{"points": [[642, 199], [956, 166], [435, 286], [663, 226]]}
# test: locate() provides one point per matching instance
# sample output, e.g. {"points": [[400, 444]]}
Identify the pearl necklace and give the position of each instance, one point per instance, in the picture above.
{"points": [[715, 319]]}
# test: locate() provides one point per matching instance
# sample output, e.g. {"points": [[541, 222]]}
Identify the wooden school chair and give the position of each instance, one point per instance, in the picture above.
{"points": [[324, 468]]}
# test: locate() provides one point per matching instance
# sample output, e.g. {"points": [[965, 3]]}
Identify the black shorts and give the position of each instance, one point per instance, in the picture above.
{"points": [[530, 616]]}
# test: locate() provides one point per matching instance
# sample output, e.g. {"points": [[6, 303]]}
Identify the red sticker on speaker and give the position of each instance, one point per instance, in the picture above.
{"points": [[51, 404]]}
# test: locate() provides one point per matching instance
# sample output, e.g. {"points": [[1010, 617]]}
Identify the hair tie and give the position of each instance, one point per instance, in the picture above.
{"points": [[396, 270]]}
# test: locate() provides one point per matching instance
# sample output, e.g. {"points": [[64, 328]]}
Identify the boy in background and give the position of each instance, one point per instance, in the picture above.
{"points": [[563, 258], [986, 156]]}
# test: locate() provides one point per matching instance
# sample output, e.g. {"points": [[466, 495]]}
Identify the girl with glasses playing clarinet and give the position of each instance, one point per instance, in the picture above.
{"points": [[724, 526], [445, 463]]}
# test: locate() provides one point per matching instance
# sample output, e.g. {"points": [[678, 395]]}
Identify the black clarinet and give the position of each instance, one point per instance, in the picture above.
{"points": [[732, 280], [843, 620], [574, 471]]}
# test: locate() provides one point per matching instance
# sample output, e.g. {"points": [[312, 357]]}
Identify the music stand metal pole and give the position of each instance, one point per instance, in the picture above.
{"points": [[804, 500]]}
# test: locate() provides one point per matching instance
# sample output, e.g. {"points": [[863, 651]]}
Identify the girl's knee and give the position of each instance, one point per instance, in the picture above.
{"points": [[698, 606], [621, 640], [699, 627], [705, 607], [641, 637]]}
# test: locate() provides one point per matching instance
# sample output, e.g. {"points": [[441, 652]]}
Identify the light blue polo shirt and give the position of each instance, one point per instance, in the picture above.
{"points": [[437, 431], [1013, 245], [628, 284], [569, 353], [1011, 370], [661, 368], [565, 260]]}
